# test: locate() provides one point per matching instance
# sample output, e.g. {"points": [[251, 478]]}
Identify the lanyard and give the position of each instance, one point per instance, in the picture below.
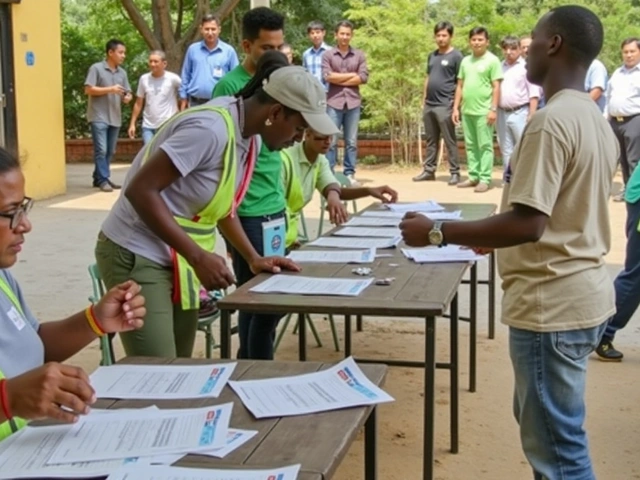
{"points": [[246, 178]]}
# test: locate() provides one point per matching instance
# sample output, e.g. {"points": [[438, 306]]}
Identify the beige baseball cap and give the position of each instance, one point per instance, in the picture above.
{"points": [[297, 89]]}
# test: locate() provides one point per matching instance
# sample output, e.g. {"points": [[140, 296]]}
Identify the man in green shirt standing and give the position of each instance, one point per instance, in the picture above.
{"points": [[262, 31], [478, 91]]}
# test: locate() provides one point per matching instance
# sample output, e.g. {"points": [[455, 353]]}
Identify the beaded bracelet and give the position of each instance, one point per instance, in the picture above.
{"points": [[93, 321], [4, 399]]}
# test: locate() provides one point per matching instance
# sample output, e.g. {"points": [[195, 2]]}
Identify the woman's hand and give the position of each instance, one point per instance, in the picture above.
{"points": [[337, 211], [121, 309]]}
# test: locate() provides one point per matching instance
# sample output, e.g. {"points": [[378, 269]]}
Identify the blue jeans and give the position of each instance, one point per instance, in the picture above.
{"points": [[147, 134], [256, 331], [510, 126], [105, 139], [347, 119], [627, 283], [550, 373]]}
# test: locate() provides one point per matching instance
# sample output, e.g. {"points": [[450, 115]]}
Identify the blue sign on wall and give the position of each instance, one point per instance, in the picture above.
{"points": [[30, 58]]}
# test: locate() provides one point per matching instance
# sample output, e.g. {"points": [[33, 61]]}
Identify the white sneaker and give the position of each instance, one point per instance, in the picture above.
{"points": [[352, 181]]}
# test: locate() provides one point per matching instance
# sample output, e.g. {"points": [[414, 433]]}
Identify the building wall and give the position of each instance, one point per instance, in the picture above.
{"points": [[38, 90]]}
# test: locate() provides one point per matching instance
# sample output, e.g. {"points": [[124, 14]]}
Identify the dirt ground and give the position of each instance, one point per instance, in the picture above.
{"points": [[62, 244]]}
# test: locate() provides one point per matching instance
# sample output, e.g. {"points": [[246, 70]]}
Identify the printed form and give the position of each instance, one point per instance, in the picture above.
{"points": [[389, 216], [299, 285], [428, 206], [161, 381], [367, 232], [341, 386], [323, 256], [447, 254], [352, 242], [143, 434], [183, 473]]}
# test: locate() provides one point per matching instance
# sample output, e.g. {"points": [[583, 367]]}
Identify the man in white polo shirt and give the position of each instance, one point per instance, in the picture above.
{"points": [[158, 93]]}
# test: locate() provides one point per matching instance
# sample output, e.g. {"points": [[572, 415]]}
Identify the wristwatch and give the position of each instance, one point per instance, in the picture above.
{"points": [[435, 235], [493, 109]]}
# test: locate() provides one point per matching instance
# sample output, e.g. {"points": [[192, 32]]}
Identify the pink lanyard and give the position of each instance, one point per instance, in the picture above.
{"points": [[246, 178]]}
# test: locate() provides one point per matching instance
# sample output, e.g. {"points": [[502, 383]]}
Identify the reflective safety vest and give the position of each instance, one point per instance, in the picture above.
{"points": [[15, 424], [202, 227], [294, 196]]}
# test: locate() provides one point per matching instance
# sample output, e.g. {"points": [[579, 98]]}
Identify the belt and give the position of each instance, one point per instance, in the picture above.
{"points": [[198, 100], [510, 110], [624, 119]]}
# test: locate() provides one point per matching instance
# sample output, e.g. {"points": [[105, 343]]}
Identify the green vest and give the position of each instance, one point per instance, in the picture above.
{"points": [[202, 227], [294, 196], [12, 426]]}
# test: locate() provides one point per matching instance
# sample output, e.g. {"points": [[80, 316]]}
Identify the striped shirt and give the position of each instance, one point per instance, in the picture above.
{"points": [[312, 61]]}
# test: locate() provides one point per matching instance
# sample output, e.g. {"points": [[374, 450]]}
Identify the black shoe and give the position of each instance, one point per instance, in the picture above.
{"points": [[425, 177], [455, 179], [607, 352], [106, 187], [115, 186]]}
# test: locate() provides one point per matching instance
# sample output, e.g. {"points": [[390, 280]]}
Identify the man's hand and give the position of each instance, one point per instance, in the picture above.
{"points": [[213, 272], [132, 131], [41, 393], [455, 116], [118, 90], [337, 211], [384, 193], [273, 265], [480, 250], [415, 229], [121, 309], [491, 117], [127, 98]]}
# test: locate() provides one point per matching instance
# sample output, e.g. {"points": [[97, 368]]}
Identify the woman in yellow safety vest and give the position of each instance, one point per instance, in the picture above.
{"points": [[189, 179], [306, 169], [30, 388]]}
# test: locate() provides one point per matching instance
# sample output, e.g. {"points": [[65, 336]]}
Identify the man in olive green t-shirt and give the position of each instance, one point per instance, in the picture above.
{"points": [[262, 31], [478, 91]]}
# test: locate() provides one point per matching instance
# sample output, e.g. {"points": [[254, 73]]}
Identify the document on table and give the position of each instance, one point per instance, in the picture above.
{"points": [[299, 285], [143, 434], [25, 455], [448, 254], [235, 439], [428, 206], [184, 473], [387, 215], [341, 386], [365, 232], [161, 381], [357, 243], [333, 256]]}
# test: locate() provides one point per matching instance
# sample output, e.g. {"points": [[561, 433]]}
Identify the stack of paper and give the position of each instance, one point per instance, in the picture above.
{"points": [[323, 256], [448, 254], [161, 381], [354, 242], [364, 232], [182, 473], [342, 386], [385, 214], [299, 285], [428, 206]]}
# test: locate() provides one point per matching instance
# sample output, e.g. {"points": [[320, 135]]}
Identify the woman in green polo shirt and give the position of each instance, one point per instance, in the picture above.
{"points": [[29, 388], [305, 170]]}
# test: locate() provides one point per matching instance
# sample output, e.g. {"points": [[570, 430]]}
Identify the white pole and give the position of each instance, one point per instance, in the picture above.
{"points": [[260, 3]]}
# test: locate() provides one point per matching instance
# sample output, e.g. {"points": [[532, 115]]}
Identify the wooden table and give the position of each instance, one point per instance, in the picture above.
{"points": [[426, 291], [319, 442]]}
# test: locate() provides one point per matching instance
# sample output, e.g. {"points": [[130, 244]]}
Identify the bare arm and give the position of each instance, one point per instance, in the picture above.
{"points": [[338, 78], [424, 89], [75, 331], [101, 91], [232, 229], [495, 97], [137, 108], [595, 93], [457, 99], [352, 82]]}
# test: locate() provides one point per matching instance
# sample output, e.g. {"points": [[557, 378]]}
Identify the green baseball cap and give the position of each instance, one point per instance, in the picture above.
{"points": [[297, 89]]}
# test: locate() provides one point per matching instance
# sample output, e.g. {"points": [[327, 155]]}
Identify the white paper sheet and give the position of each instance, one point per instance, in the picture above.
{"points": [[341, 386], [25, 455], [448, 254], [353, 242], [299, 285], [428, 206], [105, 437], [182, 473], [235, 439], [161, 381], [365, 232], [333, 256], [369, 221], [389, 216]]}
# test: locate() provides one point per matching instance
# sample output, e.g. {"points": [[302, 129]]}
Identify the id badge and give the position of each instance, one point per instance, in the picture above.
{"points": [[273, 233], [16, 318], [217, 72]]}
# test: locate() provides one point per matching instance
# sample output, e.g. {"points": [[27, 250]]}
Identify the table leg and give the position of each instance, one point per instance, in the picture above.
{"points": [[492, 295], [359, 323], [453, 373], [302, 337], [429, 397], [225, 334], [370, 447], [473, 328], [347, 336]]}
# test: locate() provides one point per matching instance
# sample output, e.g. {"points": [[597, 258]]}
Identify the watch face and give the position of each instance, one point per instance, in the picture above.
{"points": [[435, 237]]}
